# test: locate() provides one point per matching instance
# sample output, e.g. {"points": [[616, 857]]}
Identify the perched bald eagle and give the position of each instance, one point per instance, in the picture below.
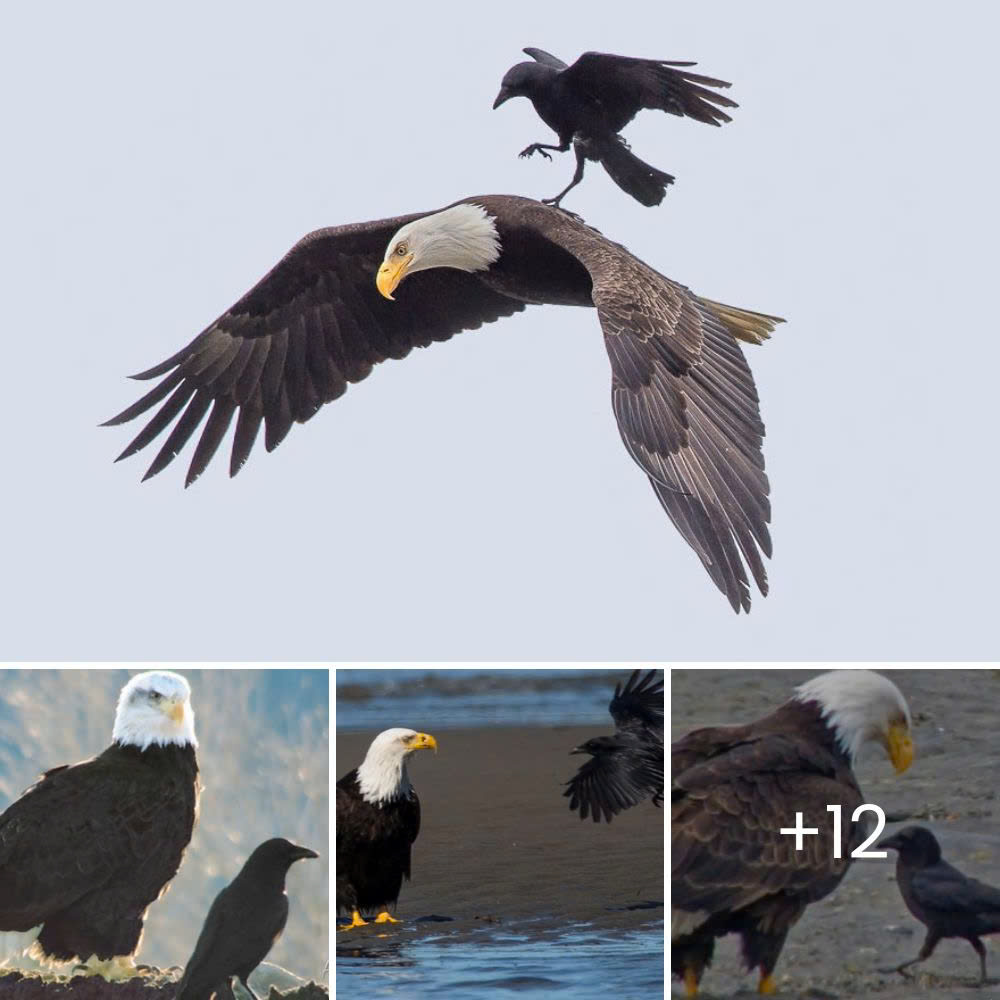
{"points": [[87, 849], [378, 819], [681, 390], [734, 788], [625, 768]]}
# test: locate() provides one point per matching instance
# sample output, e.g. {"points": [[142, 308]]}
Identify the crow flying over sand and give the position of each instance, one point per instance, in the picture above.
{"points": [[627, 767], [243, 923], [589, 103], [948, 903]]}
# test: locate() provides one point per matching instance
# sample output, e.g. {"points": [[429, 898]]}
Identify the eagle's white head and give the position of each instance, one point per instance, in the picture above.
{"points": [[463, 236], [862, 707], [382, 775], [155, 708]]}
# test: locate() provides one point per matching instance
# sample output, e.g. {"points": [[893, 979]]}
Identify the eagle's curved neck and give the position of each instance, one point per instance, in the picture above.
{"points": [[383, 778]]}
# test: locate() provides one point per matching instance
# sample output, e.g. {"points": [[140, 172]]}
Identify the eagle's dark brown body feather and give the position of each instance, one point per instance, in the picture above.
{"points": [[373, 847], [732, 789], [87, 849]]}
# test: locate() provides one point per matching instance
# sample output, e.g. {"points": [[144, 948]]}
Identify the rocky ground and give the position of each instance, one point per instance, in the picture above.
{"points": [[154, 985]]}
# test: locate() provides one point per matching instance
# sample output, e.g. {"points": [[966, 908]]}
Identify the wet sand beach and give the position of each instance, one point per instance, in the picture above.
{"points": [[498, 846], [836, 949]]}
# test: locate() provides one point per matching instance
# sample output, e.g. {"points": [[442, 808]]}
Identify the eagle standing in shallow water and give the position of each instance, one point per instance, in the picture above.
{"points": [[87, 849], [732, 790], [378, 819], [681, 389]]}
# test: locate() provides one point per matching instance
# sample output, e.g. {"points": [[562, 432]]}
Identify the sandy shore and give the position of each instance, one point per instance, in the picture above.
{"points": [[837, 948], [498, 845]]}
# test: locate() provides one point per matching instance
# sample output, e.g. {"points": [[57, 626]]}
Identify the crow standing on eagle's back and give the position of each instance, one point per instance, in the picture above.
{"points": [[625, 768], [589, 103], [243, 923]]}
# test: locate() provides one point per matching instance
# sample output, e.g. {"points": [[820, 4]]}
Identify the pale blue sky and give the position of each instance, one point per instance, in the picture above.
{"points": [[475, 501]]}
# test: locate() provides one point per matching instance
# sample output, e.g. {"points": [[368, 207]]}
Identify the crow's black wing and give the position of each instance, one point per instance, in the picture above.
{"points": [[624, 85], [945, 889], [640, 701], [610, 782]]}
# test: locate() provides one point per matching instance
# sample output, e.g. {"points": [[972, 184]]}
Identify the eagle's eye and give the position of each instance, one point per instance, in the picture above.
{"points": [[155, 695], [401, 249]]}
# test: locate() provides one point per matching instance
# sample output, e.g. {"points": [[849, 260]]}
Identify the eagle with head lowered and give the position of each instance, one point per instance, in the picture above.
{"points": [[87, 849], [734, 788], [681, 390]]}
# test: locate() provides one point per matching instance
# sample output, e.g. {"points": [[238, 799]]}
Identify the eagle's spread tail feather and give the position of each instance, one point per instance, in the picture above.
{"points": [[750, 327]]}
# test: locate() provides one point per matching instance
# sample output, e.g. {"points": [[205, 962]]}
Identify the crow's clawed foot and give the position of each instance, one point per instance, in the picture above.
{"points": [[535, 147]]}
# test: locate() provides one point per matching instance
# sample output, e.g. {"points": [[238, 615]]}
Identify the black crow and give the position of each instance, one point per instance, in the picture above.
{"points": [[628, 766], [589, 103], [948, 903], [243, 923]]}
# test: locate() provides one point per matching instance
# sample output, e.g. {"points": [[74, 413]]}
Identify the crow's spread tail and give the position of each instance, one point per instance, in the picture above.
{"points": [[635, 177]]}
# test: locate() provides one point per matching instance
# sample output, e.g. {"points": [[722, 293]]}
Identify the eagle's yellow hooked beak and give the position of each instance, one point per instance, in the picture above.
{"points": [[422, 741], [392, 272], [900, 746]]}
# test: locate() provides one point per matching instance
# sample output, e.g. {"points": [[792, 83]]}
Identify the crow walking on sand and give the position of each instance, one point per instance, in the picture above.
{"points": [[948, 903], [589, 103], [243, 923]]}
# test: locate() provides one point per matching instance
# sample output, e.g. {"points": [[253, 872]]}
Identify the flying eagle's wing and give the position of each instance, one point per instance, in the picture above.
{"points": [[727, 851], [623, 85], [686, 405], [310, 326], [545, 58], [640, 703], [69, 833]]}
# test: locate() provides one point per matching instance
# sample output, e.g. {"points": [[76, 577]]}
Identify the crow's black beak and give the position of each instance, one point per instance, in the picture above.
{"points": [[504, 95], [304, 852]]}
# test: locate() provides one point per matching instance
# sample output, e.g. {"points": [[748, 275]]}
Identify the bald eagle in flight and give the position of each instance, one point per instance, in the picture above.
{"points": [[733, 789], [378, 819], [682, 392], [87, 849], [625, 768]]}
